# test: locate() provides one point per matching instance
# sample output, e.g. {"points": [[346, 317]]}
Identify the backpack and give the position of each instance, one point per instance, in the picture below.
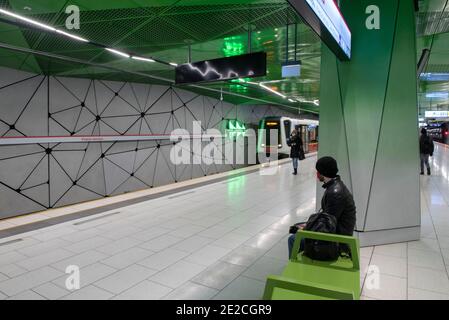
{"points": [[318, 249]]}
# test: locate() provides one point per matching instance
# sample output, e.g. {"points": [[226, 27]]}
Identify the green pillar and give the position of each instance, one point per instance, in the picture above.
{"points": [[369, 120]]}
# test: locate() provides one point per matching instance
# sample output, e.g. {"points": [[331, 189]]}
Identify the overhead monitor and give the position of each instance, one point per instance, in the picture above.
{"points": [[291, 69], [243, 66], [325, 18]]}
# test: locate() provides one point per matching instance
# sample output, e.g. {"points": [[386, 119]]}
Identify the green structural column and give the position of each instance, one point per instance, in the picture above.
{"points": [[369, 119]]}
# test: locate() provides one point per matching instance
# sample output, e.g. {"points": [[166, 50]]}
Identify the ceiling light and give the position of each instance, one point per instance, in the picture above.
{"points": [[118, 53], [143, 59], [316, 102], [271, 90], [173, 64], [71, 36], [291, 100], [274, 81], [16, 16], [41, 25]]}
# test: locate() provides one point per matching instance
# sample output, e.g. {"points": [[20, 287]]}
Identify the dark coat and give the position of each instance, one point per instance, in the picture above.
{"points": [[426, 145], [296, 145], [338, 201]]}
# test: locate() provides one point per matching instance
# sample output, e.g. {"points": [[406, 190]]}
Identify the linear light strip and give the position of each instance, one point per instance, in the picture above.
{"points": [[67, 34], [315, 102], [30, 21], [71, 36], [262, 84], [119, 53], [142, 59], [271, 90], [41, 25]]}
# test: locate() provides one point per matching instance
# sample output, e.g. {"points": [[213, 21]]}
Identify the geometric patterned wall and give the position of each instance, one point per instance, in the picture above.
{"points": [[40, 176]]}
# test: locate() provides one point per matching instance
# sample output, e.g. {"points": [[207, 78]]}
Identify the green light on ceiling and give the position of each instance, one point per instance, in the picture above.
{"points": [[233, 46], [237, 86], [241, 80]]}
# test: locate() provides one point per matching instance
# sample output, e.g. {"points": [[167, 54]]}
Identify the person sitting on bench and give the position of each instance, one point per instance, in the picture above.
{"points": [[337, 201]]}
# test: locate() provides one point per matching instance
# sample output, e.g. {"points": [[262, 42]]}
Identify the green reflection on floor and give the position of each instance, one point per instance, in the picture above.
{"points": [[236, 185]]}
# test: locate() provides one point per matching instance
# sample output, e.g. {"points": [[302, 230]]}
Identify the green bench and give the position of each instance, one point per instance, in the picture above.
{"points": [[307, 279]]}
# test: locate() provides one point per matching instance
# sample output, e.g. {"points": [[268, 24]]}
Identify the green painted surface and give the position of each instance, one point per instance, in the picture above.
{"points": [[397, 154], [374, 126], [307, 279], [332, 123], [363, 86]]}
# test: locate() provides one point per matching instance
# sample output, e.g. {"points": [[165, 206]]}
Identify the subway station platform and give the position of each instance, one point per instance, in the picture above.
{"points": [[215, 241]]}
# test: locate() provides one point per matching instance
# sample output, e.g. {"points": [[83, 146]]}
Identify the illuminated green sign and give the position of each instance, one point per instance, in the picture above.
{"points": [[235, 129], [233, 46]]}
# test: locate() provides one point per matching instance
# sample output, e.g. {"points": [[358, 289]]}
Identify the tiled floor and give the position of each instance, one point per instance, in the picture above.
{"points": [[218, 241], [419, 269]]}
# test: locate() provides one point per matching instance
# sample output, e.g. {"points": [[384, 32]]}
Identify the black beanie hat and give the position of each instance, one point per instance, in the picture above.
{"points": [[327, 166], [423, 131]]}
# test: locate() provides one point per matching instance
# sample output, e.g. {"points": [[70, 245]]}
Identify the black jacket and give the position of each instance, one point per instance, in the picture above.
{"points": [[426, 145], [338, 201], [295, 142]]}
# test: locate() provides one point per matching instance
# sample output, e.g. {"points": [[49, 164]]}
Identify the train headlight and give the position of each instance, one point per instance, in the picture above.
{"points": [[280, 146], [262, 145]]}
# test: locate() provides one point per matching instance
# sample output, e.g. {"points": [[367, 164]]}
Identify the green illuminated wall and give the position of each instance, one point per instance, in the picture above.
{"points": [[368, 120]]}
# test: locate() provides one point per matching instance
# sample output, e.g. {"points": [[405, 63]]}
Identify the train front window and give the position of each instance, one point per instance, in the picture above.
{"points": [[288, 128], [271, 125]]}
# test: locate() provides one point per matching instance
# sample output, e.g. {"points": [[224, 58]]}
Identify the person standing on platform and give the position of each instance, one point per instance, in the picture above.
{"points": [[426, 148], [297, 150]]}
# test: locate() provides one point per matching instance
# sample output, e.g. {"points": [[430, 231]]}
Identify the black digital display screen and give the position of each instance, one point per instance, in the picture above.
{"points": [[243, 66]]}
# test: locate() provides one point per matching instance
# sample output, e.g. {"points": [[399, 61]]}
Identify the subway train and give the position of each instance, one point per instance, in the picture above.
{"points": [[308, 130], [438, 131]]}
